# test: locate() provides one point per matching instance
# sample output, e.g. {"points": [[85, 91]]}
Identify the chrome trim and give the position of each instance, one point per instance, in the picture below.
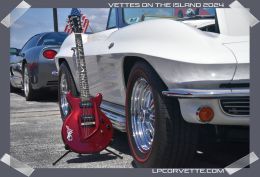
{"points": [[142, 115], [64, 104], [112, 109], [55, 73], [232, 115], [26, 82], [206, 93], [116, 114], [115, 120]]}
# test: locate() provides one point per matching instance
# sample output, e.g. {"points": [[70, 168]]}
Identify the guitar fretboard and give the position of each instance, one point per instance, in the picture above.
{"points": [[82, 69]]}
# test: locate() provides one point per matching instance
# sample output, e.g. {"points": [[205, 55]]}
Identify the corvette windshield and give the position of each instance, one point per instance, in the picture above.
{"points": [[134, 15]]}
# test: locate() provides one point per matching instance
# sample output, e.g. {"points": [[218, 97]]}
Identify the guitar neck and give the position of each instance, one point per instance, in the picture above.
{"points": [[82, 69]]}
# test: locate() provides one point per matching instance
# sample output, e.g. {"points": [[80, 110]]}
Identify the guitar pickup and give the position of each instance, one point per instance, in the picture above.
{"points": [[87, 118]]}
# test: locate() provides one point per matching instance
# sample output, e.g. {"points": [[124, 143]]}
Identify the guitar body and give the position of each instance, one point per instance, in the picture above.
{"points": [[86, 139]]}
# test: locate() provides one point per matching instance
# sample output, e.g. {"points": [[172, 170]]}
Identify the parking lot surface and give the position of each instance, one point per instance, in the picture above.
{"points": [[36, 140]]}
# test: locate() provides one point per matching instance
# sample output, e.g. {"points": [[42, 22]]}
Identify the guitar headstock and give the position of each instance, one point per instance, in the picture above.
{"points": [[75, 20]]}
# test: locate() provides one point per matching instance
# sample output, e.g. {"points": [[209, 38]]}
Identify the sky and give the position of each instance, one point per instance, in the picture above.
{"points": [[37, 20]]}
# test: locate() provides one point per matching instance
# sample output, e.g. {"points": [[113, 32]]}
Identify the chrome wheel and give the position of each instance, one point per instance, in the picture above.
{"points": [[26, 82], [142, 115], [63, 93]]}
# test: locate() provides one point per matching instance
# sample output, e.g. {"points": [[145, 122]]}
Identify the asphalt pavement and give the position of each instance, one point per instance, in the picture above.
{"points": [[35, 139]]}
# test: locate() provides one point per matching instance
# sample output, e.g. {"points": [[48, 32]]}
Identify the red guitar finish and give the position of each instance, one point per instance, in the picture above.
{"points": [[86, 139]]}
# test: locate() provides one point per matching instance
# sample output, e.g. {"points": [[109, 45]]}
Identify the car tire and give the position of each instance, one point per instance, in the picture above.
{"points": [[64, 73], [29, 93], [173, 140], [13, 89]]}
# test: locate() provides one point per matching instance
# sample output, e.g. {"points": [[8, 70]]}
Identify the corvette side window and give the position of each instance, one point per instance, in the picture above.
{"points": [[112, 19], [31, 42], [52, 39]]}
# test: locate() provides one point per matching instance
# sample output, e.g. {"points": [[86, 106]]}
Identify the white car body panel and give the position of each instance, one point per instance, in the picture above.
{"points": [[199, 23], [233, 22], [241, 52], [170, 37]]}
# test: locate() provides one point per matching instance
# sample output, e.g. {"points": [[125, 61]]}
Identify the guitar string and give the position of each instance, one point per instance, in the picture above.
{"points": [[86, 93], [82, 88], [85, 89]]}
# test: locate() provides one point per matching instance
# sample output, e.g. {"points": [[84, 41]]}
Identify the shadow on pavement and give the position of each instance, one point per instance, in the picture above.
{"points": [[120, 142], [43, 95], [92, 158], [220, 155]]}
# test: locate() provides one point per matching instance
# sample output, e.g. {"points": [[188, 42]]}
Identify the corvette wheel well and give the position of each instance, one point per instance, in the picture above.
{"points": [[61, 60], [23, 64], [128, 64]]}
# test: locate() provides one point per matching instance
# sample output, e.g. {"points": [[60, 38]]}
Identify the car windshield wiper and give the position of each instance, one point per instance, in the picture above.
{"points": [[144, 17], [197, 17]]}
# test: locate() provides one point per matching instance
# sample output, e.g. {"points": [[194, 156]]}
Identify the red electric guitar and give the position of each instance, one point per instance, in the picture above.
{"points": [[86, 129]]}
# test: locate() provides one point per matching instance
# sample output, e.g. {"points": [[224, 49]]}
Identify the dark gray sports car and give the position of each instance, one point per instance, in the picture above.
{"points": [[33, 68]]}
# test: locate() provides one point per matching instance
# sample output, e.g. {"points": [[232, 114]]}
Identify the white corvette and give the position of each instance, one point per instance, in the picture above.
{"points": [[161, 76]]}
